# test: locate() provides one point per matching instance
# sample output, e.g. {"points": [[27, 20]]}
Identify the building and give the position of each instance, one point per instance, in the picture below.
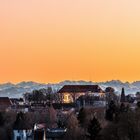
{"points": [[22, 134], [20, 108], [22, 131], [70, 93], [18, 105], [40, 131], [55, 133], [5, 104], [38, 107], [17, 101]]}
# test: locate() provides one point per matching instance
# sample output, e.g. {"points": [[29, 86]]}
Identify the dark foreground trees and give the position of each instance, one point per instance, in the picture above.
{"points": [[6, 123], [94, 129], [127, 128], [124, 125]]}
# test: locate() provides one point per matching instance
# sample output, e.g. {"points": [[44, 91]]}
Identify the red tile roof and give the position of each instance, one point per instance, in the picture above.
{"points": [[80, 88]]}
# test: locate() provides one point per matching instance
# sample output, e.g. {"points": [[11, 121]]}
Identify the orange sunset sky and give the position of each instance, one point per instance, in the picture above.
{"points": [[54, 40]]}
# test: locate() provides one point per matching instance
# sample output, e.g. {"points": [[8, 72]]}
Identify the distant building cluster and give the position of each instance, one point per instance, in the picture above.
{"points": [[70, 98]]}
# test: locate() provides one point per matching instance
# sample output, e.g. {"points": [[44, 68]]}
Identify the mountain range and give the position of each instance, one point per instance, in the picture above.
{"points": [[17, 90]]}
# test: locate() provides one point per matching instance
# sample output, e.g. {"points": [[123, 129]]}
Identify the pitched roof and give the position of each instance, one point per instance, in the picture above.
{"points": [[40, 126], [56, 133], [80, 88], [16, 100], [5, 101]]}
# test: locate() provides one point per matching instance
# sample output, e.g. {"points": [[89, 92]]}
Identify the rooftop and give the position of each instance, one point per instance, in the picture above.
{"points": [[80, 88], [5, 101]]}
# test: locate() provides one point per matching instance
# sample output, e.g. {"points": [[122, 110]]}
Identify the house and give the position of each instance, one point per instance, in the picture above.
{"points": [[14, 101], [55, 133], [18, 105], [22, 132], [20, 108], [38, 107], [40, 131], [5, 103], [43, 133], [21, 129], [17, 101], [20, 101], [70, 93]]}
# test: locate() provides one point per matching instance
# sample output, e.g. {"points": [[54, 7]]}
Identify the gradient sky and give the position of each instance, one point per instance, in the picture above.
{"points": [[54, 40]]}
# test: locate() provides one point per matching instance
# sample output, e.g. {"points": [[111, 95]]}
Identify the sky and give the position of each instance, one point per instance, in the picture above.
{"points": [[55, 40]]}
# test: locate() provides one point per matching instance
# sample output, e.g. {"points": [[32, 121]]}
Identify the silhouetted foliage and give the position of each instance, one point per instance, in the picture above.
{"points": [[138, 104], [127, 127], [60, 124], [123, 95], [129, 99], [74, 132], [93, 129], [111, 111], [20, 121], [81, 116], [122, 108], [109, 90]]}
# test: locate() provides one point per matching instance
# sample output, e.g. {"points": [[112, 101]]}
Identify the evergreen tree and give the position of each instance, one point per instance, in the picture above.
{"points": [[19, 118], [49, 94], [122, 108], [122, 95], [60, 124], [93, 129], [111, 111], [81, 116], [20, 122]]}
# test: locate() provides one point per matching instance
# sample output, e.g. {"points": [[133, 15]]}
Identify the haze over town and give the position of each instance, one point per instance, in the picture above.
{"points": [[17, 90]]}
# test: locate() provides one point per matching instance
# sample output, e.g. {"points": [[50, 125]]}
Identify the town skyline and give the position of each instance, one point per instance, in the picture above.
{"points": [[69, 70]]}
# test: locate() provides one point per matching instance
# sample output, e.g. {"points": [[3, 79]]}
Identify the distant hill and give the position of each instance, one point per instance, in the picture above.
{"points": [[17, 90]]}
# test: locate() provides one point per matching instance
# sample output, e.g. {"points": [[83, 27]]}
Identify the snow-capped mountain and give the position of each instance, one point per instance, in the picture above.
{"points": [[17, 90], [130, 88]]}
